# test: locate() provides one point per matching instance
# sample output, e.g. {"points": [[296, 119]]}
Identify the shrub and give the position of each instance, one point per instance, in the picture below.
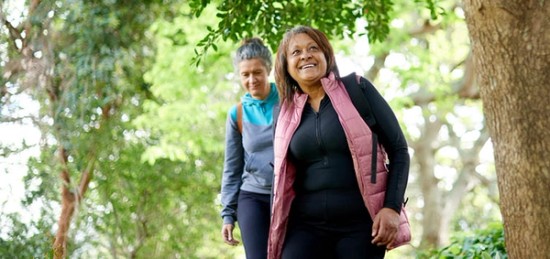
{"points": [[486, 243]]}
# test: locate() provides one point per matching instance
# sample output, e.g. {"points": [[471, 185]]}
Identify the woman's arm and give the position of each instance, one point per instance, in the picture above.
{"points": [[391, 137], [232, 169]]}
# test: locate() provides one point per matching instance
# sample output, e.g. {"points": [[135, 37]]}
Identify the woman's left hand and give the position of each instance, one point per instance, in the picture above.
{"points": [[385, 227]]}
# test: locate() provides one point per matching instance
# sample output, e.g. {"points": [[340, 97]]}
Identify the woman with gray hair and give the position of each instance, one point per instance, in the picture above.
{"points": [[248, 173]]}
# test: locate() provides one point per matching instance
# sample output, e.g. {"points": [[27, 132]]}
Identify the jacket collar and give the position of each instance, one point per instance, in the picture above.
{"points": [[247, 99]]}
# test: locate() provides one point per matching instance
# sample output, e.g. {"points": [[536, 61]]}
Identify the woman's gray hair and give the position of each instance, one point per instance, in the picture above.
{"points": [[253, 48]]}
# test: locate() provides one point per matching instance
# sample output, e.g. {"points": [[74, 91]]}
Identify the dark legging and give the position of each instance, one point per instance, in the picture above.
{"points": [[253, 216], [330, 224], [310, 242]]}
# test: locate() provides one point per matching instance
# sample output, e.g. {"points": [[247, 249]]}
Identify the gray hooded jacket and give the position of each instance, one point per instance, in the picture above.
{"points": [[248, 157]]}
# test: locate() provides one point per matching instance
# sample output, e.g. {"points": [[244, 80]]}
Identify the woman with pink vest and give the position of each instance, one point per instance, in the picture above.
{"points": [[332, 198]]}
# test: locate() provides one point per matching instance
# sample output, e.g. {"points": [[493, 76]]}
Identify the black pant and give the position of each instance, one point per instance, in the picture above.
{"points": [[330, 224], [253, 215]]}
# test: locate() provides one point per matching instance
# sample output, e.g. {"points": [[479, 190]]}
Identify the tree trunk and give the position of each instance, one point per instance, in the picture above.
{"points": [[431, 212], [432, 195], [467, 179], [69, 202], [68, 205], [511, 48]]}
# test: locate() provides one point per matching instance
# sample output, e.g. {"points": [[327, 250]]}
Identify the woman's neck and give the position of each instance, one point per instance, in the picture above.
{"points": [[315, 95]]}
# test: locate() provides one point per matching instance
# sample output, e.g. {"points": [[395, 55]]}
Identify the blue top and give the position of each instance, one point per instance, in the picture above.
{"points": [[248, 157]]}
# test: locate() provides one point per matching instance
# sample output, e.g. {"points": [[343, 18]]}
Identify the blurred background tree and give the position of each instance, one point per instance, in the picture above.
{"points": [[130, 101]]}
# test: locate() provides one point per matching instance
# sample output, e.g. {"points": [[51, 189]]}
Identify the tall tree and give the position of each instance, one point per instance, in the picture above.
{"points": [[83, 62], [154, 177], [510, 42]]}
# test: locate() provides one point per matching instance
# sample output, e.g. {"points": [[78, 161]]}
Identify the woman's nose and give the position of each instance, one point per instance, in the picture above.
{"points": [[305, 55]]}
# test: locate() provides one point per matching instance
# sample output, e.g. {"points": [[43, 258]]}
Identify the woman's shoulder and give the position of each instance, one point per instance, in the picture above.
{"points": [[232, 112]]}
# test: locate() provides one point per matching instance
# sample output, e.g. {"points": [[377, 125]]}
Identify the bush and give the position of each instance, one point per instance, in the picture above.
{"points": [[484, 244]]}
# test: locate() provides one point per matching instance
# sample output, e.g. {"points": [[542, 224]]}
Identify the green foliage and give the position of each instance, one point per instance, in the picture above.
{"points": [[483, 244], [20, 239], [481, 209], [190, 105], [186, 122], [270, 19], [93, 86], [151, 210]]}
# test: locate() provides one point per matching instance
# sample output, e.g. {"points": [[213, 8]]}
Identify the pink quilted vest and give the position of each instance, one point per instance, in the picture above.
{"points": [[359, 137]]}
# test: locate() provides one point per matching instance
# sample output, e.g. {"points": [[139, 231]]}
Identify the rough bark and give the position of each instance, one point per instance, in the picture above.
{"points": [[510, 41]]}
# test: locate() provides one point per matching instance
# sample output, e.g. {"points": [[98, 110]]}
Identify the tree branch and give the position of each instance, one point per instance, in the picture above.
{"points": [[379, 61], [467, 87], [426, 28], [86, 178]]}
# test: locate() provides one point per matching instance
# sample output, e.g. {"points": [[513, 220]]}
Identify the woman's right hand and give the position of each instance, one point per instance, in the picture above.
{"points": [[227, 234]]}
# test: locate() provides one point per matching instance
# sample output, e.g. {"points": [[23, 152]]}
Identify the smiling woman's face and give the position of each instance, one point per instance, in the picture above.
{"points": [[306, 61], [254, 78]]}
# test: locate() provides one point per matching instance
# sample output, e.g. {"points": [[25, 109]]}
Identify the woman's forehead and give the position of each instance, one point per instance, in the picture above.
{"points": [[300, 39]]}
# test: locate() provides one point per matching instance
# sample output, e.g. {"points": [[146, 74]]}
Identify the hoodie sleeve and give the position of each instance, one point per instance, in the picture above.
{"points": [[232, 168], [392, 138]]}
